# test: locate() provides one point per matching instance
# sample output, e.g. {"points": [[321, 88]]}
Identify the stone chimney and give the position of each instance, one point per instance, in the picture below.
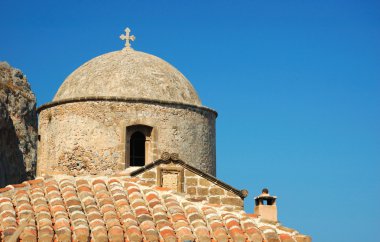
{"points": [[265, 206]]}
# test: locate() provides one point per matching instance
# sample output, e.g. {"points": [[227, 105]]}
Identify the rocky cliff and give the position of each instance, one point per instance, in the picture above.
{"points": [[18, 127]]}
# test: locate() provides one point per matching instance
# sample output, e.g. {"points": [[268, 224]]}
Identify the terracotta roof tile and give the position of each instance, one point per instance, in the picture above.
{"points": [[124, 212], [25, 215], [215, 222], [8, 217], [286, 238], [41, 209], [73, 204], [118, 209], [252, 231], [270, 233]]}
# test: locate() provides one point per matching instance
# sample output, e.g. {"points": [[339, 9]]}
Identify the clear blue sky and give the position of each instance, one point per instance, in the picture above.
{"points": [[296, 85]]}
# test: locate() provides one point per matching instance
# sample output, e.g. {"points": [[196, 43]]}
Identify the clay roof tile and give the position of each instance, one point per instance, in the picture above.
{"points": [[119, 209]]}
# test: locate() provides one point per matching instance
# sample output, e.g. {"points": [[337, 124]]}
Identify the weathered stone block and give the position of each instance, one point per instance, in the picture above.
{"points": [[204, 182], [232, 201], [215, 200], [191, 181], [230, 194], [189, 173], [202, 191], [191, 190], [149, 174], [217, 191]]}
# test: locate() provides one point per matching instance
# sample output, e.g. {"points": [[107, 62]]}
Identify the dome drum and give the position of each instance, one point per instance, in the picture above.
{"points": [[93, 137]]}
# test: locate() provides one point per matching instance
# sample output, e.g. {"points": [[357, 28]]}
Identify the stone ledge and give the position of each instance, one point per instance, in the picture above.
{"points": [[128, 100]]}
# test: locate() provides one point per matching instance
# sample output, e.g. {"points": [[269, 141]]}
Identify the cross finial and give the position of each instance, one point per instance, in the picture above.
{"points": [[127, 38]]}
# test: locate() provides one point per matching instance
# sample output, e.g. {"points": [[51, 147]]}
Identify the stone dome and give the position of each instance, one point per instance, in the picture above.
{"points": [[128, 74]]}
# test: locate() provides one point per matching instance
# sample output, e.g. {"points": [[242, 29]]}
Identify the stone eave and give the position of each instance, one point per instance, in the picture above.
{"points": [[127, 100], [240, 193]]}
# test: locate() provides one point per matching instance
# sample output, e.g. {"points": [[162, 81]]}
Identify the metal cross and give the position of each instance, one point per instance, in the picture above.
{"points": [[127, 38]]}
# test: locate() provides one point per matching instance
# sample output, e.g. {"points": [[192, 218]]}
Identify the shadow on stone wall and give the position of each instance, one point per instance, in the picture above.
{"points": [[12, 168]]}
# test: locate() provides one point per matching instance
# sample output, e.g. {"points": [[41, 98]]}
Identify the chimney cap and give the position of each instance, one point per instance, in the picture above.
{"points": [[265, 193]]}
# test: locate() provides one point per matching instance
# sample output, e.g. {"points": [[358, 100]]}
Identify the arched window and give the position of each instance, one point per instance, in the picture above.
{"points": [[139, 145], [137, 149]]}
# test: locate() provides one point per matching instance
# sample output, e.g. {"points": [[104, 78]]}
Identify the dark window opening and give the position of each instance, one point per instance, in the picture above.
{"points": [[268, 201], [137, 149]]}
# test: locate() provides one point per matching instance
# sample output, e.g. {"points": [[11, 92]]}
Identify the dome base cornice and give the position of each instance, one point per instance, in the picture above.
{"points": [[126, 100]]}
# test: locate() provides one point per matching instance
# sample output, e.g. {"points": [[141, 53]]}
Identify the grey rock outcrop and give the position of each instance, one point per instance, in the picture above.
{"points": [[18, 127]]}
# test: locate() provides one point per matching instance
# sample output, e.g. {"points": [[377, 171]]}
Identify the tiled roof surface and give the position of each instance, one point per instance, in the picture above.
{"points": [[119, 209]]}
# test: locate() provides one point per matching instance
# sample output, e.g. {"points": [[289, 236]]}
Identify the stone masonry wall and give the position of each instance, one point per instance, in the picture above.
{"points": [[18, 127], [200, 188], [89, 137], [197, 188]]}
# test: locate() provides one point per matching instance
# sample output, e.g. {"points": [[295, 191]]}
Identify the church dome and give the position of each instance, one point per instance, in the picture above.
{"points": [[128, 74]]}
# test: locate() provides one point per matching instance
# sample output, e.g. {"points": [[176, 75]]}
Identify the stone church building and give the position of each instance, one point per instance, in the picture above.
{"points": [[127, 152]]}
